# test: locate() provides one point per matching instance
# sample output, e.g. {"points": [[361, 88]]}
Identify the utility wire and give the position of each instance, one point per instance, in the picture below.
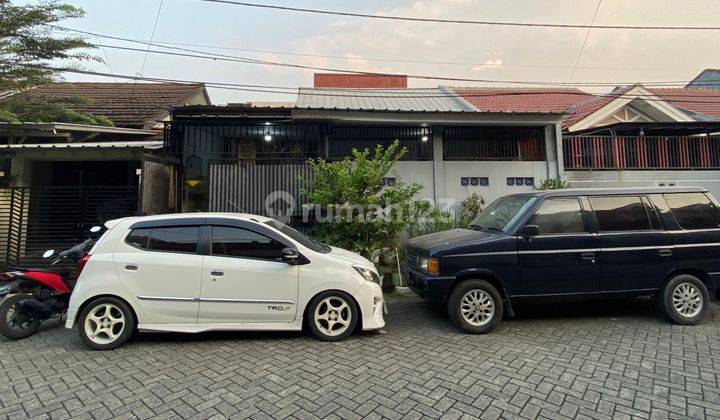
{"points": [[246, 60], [460, 21], [587, 35], [296, 91], [378, 59], [152, 36]]}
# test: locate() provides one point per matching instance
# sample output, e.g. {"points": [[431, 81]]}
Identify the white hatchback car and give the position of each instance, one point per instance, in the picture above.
{"points": [[214, 271]]}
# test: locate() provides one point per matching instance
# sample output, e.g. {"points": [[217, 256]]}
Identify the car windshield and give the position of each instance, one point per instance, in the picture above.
{"points": [[501, 213], [296, 236]]}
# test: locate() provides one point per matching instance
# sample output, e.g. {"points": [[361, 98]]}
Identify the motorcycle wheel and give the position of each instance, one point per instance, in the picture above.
{"points": [[16, 324]]}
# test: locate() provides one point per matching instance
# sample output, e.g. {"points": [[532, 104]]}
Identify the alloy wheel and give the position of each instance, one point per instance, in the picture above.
{"points": [[104, 323], [333, 315], [687, 300], [477, 307]]}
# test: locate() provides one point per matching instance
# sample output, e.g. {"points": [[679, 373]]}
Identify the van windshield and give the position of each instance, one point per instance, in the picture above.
{"points": [[303, 240], [500, 214]]}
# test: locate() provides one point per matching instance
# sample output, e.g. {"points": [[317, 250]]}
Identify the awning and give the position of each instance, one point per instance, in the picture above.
{"points": [[87, 145]]}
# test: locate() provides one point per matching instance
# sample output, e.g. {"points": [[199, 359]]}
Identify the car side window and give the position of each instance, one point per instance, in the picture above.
{"points": [[559, 215], [174, 239], [238, 242], [694, 210], [620, 213], [138, 238]]}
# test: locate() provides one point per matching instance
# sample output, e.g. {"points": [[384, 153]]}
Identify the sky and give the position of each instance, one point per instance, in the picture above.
{"points": [[496, 53]]}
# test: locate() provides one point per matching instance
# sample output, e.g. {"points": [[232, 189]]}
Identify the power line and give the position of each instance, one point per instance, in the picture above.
{"points": [[286, 90], [464, 22], [152, 36], [246, 60], [165, 44], [587, 35]]}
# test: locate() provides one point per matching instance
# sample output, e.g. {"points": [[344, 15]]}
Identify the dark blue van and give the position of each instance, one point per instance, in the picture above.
{"points": [[574, 243]]}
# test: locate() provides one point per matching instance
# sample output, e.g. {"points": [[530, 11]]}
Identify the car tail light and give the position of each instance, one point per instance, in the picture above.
{"points": [[81, 265]]}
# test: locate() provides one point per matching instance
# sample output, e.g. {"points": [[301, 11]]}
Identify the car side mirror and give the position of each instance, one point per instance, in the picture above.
{"points": [[290, 255], [530, 230]]}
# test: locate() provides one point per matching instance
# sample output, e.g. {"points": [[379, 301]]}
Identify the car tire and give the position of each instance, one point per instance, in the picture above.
{"points": [[106, 323], [332, 315], [684, 300], [10, 329], [475, 306]]}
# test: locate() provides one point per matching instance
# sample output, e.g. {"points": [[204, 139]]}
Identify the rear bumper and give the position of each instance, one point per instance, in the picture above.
{"points": [[431, 288]]}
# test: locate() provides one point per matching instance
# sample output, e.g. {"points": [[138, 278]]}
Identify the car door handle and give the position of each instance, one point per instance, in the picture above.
{"points": [[665, 252], [131, 267], [588, 256], [216, 273]]}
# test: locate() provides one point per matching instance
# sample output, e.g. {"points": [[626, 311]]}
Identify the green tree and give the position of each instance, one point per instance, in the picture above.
{"points": [[353, 207], [27, 50]]}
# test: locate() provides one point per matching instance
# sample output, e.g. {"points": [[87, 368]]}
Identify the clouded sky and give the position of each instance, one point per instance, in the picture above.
{"points": [[497, 53]]}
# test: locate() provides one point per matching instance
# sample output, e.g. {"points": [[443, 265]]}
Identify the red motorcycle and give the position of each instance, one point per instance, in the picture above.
{"points": [[32, 295]]}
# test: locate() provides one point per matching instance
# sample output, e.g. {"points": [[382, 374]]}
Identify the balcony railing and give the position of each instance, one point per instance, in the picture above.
{"points": [[641, 152]]}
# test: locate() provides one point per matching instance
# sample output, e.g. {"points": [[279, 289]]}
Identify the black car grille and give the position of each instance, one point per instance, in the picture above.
{"points": [[411, 260]]}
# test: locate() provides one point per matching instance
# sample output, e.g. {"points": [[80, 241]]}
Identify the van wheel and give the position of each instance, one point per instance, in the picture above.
{"points": [[332, 315], [475, 306], [106, 323], [684, 300]]}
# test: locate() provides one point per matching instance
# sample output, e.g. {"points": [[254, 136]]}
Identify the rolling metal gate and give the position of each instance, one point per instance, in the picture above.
{"points": [[248, 188], [33, 220]]}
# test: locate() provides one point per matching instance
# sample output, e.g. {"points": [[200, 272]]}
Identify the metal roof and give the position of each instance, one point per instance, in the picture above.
{"points": [[86, 145], [402, 100]]}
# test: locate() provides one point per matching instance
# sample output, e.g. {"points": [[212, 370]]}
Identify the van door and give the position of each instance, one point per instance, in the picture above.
{"points": [[562, 258], [245, 280], [635, 251]]}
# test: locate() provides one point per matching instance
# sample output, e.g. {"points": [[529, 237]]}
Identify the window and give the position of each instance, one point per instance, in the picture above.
{"points": [[559, 215], [620, 213], [174, 239], [694, 211], [236, 242], [501, 213], [138, 238]]}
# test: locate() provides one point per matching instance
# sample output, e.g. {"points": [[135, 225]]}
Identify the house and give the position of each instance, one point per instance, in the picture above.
{"points": [[60, 178], [236, 156], [644, 136]]}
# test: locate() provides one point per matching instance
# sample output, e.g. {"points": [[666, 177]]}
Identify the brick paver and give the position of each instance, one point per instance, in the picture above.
{"points": [[605, 360]]}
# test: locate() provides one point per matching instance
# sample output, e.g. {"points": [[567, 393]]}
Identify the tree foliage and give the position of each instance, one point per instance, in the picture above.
{"points": [[353, 206], [27, 49]]}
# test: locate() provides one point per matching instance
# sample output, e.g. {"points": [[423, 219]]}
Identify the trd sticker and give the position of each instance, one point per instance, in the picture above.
{"points": [[279, 307]]}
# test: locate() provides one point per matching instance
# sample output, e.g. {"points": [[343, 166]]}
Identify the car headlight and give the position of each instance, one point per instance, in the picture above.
{"points": [[430, 265], [367, 273]]}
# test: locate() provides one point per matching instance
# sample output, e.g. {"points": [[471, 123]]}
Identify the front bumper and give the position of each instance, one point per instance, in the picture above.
{"points": [[431, 288], [372, 306]]}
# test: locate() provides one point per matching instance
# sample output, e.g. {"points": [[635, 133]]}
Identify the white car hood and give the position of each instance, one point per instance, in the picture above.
{"points": [[351, 257]]}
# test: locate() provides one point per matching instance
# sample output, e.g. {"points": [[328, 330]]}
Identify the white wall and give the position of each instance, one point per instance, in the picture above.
{"points": [[610, 179], [450, 172], [497, 173]]}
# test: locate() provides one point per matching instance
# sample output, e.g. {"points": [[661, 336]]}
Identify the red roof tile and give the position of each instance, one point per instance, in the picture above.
{"points": [[126, 104], [523, 100], [700, 100]]}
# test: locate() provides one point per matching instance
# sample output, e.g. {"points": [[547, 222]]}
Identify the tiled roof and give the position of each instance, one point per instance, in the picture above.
{"points": [[522, 100], [702, 101], [126, 104], [407, 100], [583, 108]]}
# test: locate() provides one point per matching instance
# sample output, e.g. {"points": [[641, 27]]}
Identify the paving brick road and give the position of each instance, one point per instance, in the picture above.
{"points": [[582, 361]]}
